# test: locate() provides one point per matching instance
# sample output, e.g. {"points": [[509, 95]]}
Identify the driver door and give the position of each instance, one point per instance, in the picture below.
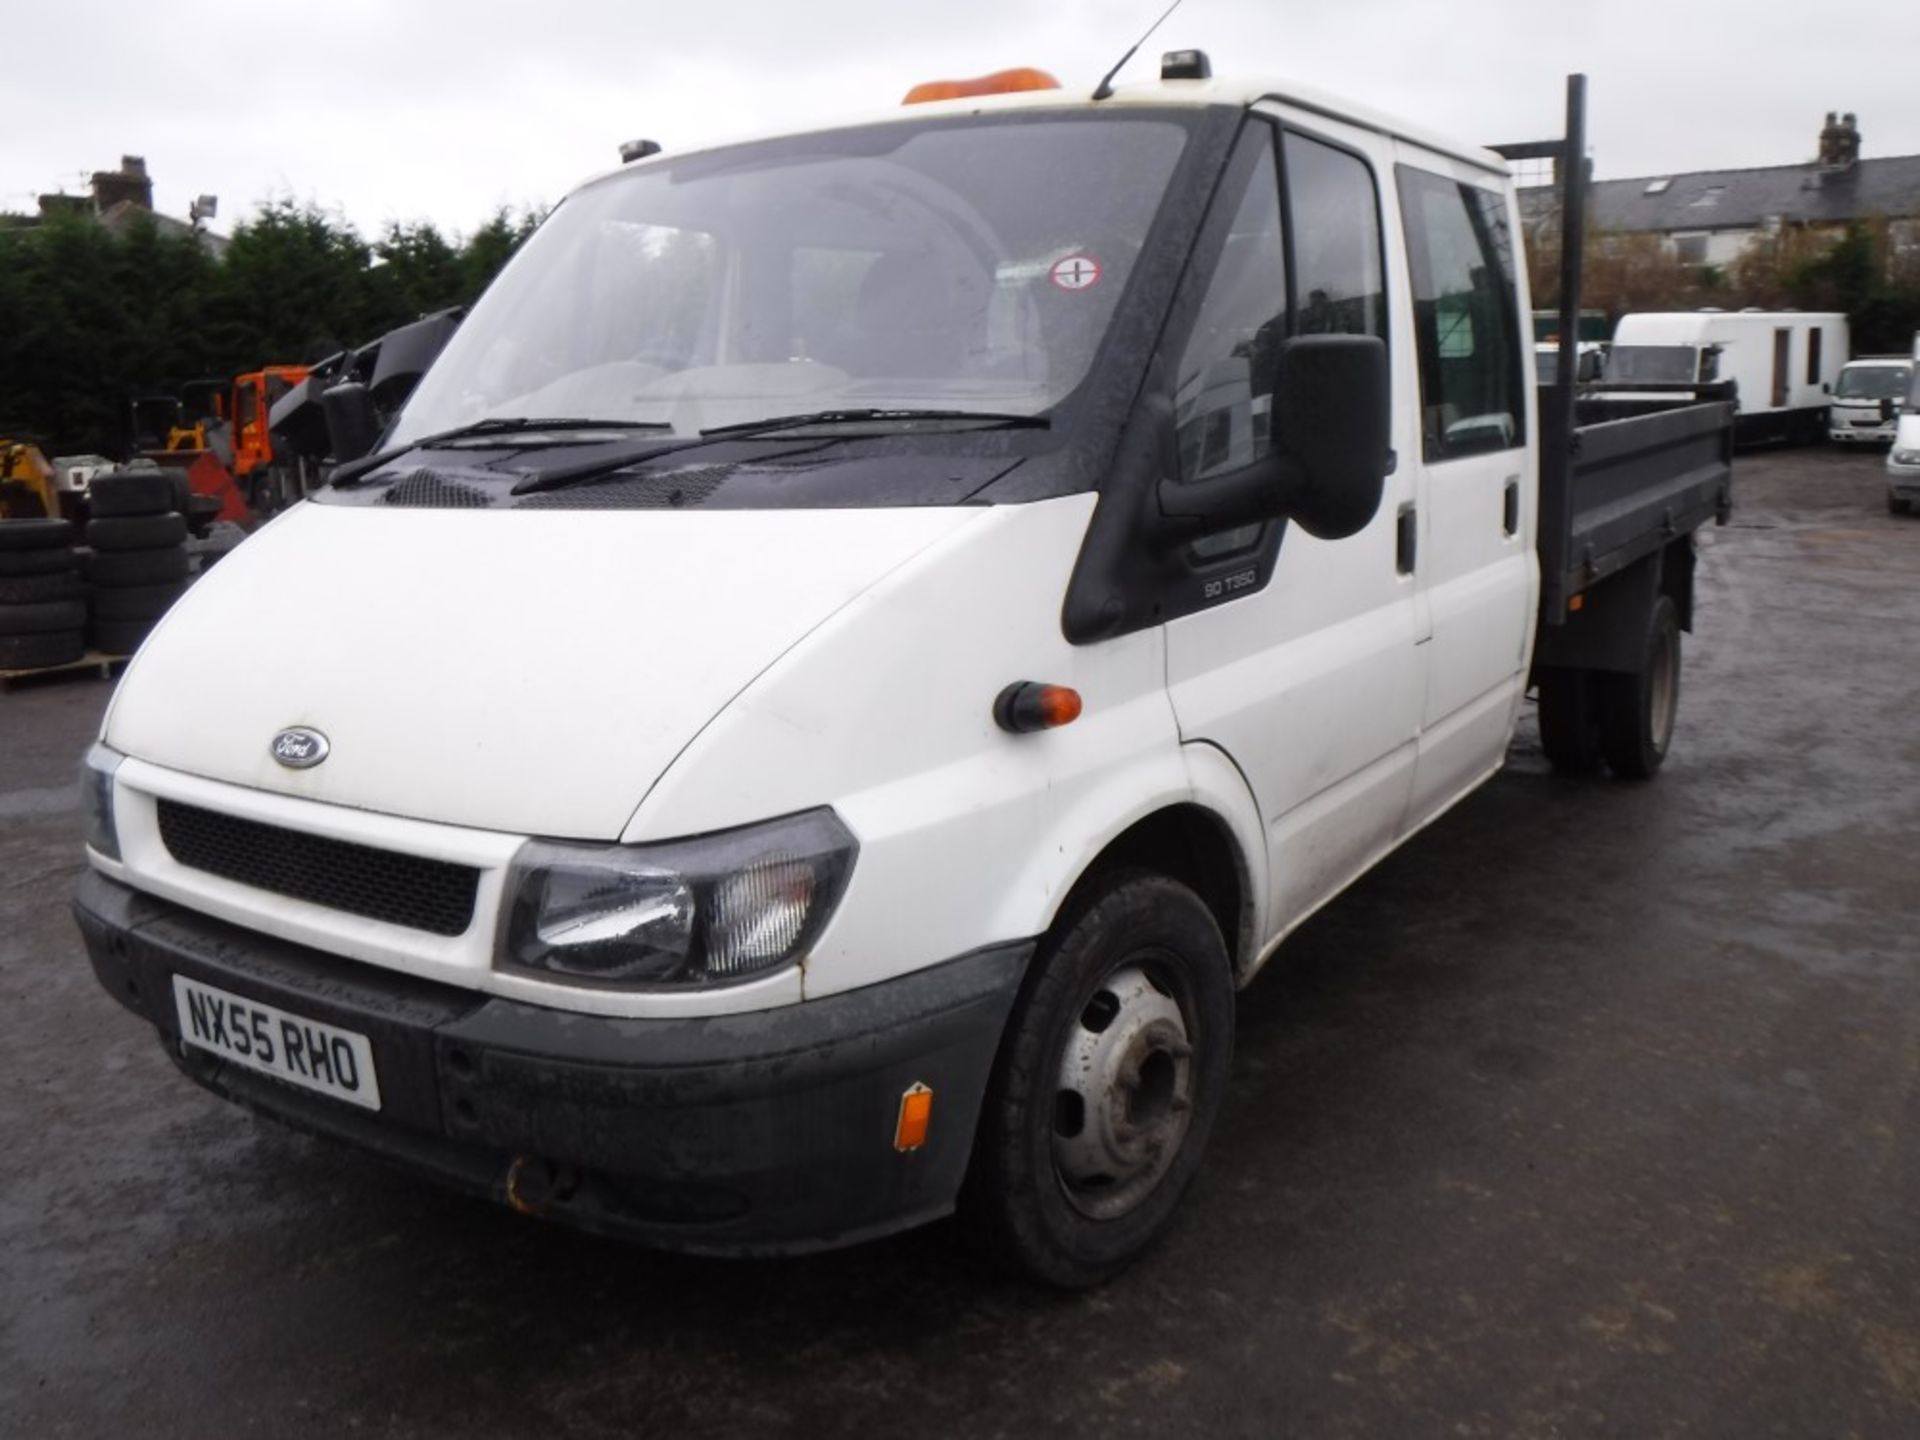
{"points": [[1305, 664]]}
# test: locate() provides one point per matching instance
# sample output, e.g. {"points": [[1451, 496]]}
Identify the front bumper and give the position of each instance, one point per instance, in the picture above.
{"points": [[767, 1132], [1903, 481]]}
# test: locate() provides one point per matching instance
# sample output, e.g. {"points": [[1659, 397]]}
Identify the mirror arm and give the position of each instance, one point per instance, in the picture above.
{"points": [[1251, 493]]}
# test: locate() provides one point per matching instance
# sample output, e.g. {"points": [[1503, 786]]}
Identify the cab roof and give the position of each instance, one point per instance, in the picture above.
{"points": [[1229, 91]]}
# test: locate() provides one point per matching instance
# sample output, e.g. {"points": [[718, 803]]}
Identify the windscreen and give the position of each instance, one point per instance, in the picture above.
{"points": [[970, 264], [1678, 364], [1873, 382]]}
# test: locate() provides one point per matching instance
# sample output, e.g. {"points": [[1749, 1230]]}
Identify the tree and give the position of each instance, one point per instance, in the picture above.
{"points": [[89, 317]]}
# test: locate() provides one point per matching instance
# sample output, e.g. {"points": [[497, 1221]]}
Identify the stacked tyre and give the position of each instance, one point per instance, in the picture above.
{"points": [[43, 607], [139, 562]]}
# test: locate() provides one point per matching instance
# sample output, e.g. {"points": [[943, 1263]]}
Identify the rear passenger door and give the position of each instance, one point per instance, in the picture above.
{"points": [[1304, 665], [1476, 562]]}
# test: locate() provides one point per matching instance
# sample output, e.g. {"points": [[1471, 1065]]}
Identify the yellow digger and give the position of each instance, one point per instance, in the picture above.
{"points": [[26, 482]]}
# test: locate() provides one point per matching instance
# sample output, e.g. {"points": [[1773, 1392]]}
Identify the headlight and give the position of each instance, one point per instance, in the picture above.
{"points": [[96, 794], [714, 910], [1906, 457]]}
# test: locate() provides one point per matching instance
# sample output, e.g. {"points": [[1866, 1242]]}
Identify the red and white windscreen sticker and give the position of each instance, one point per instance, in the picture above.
{"points": [[1076, 272]]}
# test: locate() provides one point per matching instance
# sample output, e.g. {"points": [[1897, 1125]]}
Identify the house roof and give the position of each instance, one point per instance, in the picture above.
{"points": [[1743, 199], [123, 213]]}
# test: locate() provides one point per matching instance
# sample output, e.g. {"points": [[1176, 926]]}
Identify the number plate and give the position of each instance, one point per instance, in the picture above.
{"points": [[288, 1047]]}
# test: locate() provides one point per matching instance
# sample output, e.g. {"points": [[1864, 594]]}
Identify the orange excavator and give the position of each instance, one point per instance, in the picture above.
{"points": [[217, 430]]}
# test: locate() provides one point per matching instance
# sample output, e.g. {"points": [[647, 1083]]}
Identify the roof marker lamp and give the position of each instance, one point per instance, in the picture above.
{"points": [[1186, 65], [96, 793], [715, 910]]}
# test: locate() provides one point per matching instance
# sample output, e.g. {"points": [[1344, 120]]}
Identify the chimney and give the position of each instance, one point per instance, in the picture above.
{"points": [[1839, 142], [130, 182]]}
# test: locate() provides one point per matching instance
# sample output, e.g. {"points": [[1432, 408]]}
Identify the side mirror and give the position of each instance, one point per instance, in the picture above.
{"points": [[1330, 419], [1825, 388], [353, 425], [1332, 424], [1888, 410]]}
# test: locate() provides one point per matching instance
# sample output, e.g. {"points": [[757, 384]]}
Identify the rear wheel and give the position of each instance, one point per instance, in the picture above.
{"points": [[1637, 711], [1108, 1080]]}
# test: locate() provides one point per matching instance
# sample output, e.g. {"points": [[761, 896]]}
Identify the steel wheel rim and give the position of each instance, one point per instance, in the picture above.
{"points": [[1123, 1093], [1664, 691]]}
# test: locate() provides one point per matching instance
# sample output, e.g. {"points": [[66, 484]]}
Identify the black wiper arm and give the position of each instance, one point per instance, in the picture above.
{"points": [[350, 473], [993, 418], [560, 476]]}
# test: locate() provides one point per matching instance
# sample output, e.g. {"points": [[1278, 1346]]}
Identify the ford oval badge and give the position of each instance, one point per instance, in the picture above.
{"points": [[299, 748]]}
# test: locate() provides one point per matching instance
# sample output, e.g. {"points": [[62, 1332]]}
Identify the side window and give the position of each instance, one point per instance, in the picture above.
{"points": [[1465, 325], [1220, 424], [1336, 241]]}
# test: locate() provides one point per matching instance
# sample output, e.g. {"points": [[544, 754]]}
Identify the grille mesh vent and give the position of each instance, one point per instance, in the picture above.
{"points": [[674, 490], [431, 895], [431, 490]]}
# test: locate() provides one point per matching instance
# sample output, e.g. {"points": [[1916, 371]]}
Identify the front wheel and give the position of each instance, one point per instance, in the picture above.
{"points": [[1107, 1084], [1570, 721], [1637, 710]]}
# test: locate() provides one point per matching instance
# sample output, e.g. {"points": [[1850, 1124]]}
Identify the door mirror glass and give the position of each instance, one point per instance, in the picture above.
{"points": [[1332, 428], [353, 424]]}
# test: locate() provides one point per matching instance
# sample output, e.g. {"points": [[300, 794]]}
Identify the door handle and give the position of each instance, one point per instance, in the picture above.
{"points": [[1406, 539], [1510, 507]]}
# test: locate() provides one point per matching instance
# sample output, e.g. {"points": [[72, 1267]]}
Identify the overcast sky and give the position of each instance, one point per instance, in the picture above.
{"points": [[446, 109]]}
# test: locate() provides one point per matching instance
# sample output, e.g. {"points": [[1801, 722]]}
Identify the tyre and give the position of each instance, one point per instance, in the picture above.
{"points": [[18, 535], [1109, 1076], [132, 492], [1637, 710], [20, 501], [1895, 505], [17, 563], [34, 589], [135, 602], [43, 616], [1570, 721], [35, 652], [137, 532], [119, 637], [137, 567]]}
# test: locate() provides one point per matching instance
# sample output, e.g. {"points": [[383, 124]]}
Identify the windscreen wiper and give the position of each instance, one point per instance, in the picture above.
{"points": [[350, 473], [557, 477], [990, 419]]}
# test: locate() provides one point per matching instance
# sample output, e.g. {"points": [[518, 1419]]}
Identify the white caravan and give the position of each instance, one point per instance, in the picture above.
{"points": [[1784, 362], [857, 647]]}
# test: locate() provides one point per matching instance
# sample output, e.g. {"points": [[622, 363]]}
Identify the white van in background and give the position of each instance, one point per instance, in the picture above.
{"points": [[1867, 399], [1784, 362]]}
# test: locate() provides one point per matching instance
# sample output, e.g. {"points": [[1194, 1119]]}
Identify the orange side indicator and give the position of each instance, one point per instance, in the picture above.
{"points": [[1028, 705], [1001, 82], [916, 1114], [1577, 602]]}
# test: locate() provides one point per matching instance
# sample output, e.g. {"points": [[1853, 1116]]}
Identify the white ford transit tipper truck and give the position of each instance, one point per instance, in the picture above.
{"points": [[858, 646]]}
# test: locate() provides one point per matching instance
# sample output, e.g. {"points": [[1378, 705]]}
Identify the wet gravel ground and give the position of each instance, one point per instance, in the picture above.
{"points": [[1595, 1111]]}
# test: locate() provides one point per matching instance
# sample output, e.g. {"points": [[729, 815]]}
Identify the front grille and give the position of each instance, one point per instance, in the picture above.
{"points": [[431, 895]]}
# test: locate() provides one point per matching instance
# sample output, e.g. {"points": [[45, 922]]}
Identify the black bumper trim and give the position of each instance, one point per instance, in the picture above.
{"points": [[766, 1132]]}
